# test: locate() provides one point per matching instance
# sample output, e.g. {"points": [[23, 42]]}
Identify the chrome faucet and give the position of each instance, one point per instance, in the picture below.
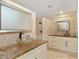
{"points": [[20, 35]]}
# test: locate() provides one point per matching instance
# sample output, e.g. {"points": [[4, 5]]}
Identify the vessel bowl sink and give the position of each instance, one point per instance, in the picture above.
{"points": [[23, 42]]}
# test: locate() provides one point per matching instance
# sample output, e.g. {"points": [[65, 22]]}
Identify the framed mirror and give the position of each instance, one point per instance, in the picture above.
{"points": [[63, 25], [14, 19]]}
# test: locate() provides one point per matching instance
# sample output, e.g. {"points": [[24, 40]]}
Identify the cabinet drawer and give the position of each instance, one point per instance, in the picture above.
{"points": [[52, 46], [53, 41]]}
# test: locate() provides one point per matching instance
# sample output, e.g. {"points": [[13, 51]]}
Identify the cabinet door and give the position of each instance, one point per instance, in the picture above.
{"points": [[52, 43], [67, 44], [72, 45], [41, 53], [62, 43]]}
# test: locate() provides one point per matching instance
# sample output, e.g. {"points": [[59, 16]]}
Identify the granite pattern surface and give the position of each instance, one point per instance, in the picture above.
{"points": [[15, 50]]}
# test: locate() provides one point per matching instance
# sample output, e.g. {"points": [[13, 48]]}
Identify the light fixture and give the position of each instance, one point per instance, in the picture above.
{"points": [[49, 6], [61, 12]]}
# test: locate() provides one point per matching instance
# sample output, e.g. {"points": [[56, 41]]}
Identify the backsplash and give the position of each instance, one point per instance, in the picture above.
{"points": [[7, 39]]}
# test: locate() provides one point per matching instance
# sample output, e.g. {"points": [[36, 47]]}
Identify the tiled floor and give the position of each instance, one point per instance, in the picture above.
{"points": [[52, 54]]}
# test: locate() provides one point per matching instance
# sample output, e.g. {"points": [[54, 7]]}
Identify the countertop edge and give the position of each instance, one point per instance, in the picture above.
{"points": [[64, 36], [30, 50]]}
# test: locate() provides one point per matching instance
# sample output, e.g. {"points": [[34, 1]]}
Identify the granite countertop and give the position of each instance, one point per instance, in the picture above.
{"points": [[15, 50], [63, 36]]}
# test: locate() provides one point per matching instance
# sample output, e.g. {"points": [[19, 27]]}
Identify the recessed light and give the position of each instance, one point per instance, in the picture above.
{"points": [[49, 6], [61, 12]]}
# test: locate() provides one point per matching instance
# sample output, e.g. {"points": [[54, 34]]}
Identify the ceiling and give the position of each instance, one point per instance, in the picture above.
{"points": [[49, 7]]}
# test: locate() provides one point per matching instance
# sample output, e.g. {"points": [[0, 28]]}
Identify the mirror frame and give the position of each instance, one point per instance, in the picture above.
{"points": [[18, 9], [61, 22]]}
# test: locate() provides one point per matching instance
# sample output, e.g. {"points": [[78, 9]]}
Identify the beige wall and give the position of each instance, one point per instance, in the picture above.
{"points": [[51, 27]]}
